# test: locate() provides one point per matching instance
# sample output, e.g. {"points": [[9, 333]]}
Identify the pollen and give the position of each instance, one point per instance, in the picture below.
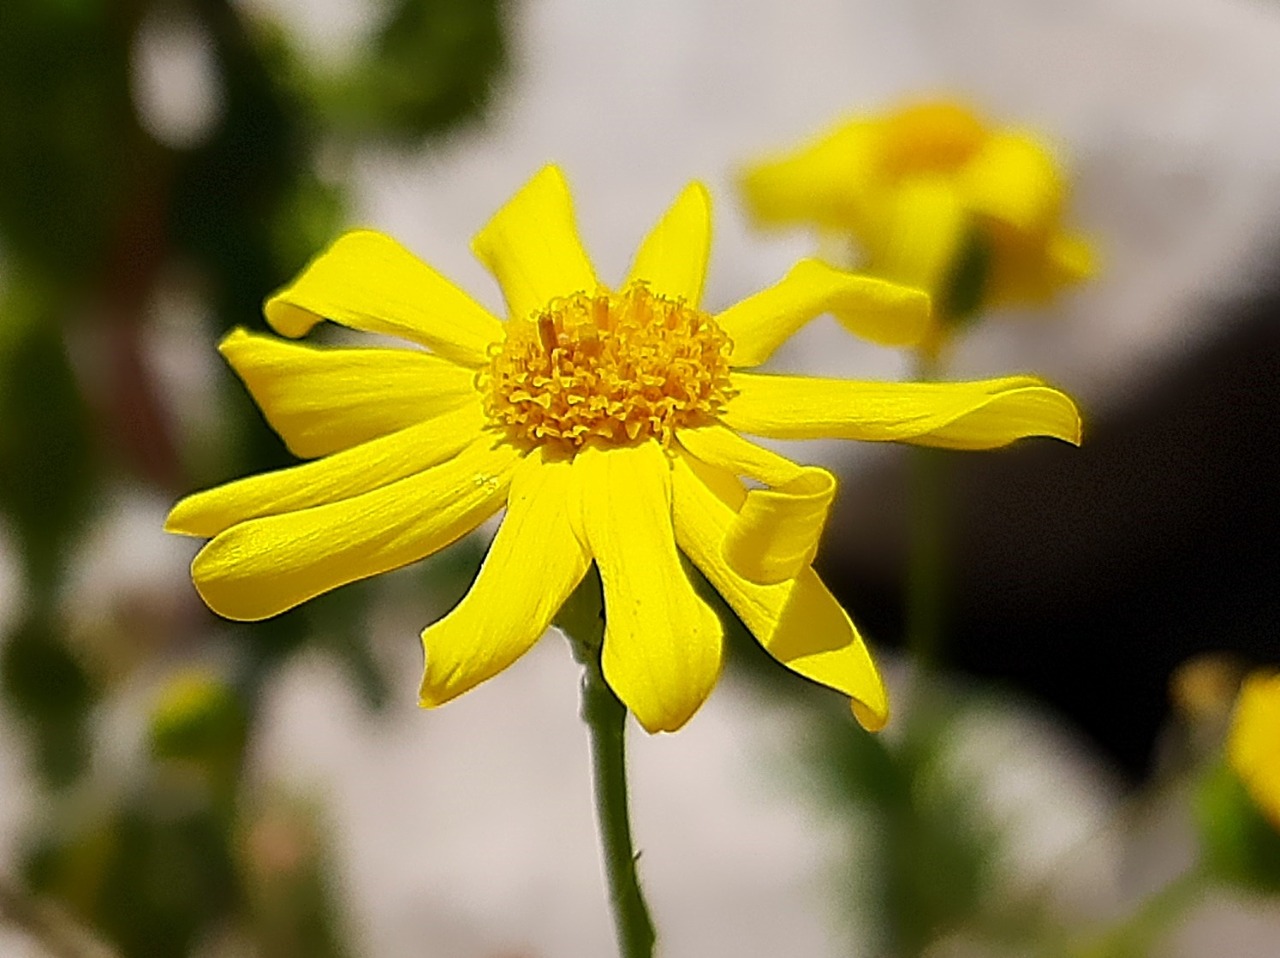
{"points": [[611, 367]]}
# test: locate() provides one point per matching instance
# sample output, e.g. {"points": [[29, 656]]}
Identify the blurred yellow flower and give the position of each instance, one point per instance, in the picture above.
{"points": [[937, 200], [605, 421], [1253, 744]]}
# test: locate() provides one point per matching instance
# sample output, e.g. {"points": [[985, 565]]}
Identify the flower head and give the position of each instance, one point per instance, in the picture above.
{"points": [[606, 421], [1253, 744], [937, 199]]}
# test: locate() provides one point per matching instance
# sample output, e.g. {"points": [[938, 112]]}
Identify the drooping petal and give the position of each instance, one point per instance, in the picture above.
{"points": [[916, 238], [797, 620], [340, 476], [533, 564], [874, 309], [820, 183], [967, 415], [370, 282], [673, 257], [262, 567], [774, 535], [531, 246], [662, 644], [321, 400], [1014, 181]]}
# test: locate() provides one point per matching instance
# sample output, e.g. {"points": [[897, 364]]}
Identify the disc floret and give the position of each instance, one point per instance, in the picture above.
{"points": [[605, 366]]}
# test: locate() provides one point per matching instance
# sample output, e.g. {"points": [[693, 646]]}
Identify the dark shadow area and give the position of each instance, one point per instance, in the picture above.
{"points": [[1084, 577]]}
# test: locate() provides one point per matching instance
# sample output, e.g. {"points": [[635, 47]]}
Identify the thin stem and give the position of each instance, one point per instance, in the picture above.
{"points": [[926, 572], [582, 621], [606, 719]]}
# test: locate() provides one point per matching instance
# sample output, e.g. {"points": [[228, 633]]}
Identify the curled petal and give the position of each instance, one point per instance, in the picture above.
{"points": [[673, 257], [533, 564], [322, 400], [797, 620], [370, 282], [967, 415], [874, 309], [531, 246], [774, 535], [340, 476], [662, 644], [262, 567]]}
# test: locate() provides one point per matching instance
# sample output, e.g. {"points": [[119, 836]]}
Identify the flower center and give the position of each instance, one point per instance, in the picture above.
{"points": [[617, 367]]}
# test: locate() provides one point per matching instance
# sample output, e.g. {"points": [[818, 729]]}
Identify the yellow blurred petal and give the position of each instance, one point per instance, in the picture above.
{"points": [[934, 136], [1015, 182], [1032, 270], [370, 282], [797, 621], [916, 239], [322, 400], [1071, 259], [345, 474], [673, 257], [967, 415], [262, 567], [1253, 744], [531, 246], [775, 534], [820, 183], [662, 644], [535, 561], [874, 309]]}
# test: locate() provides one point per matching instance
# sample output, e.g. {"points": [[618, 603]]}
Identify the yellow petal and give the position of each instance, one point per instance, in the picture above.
{"points": [[662, 644], [821, 183], [874, 309], [968, 415], [262, 567], [1014, 181], [535, 561], [797, 621], [933, 136], [1072, 258], [531, 246], [1253, 745], [1032, 270], [775, 534], [345, 474], [918, 235], [370, 282], [321, 400], [673, 257]]}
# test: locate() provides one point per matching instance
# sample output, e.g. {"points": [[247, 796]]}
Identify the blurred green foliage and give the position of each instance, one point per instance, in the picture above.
{"points": [[1241, 845], [95, 214]]}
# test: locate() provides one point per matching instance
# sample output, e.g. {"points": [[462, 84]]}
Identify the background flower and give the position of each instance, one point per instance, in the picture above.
{"points": [[935, 197]]}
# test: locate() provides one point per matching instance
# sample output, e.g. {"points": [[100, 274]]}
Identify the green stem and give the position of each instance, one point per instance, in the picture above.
{"points": [[926, 571], [582, 621]]}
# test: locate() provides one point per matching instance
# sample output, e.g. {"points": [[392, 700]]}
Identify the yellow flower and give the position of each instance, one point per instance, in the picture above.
{"points": [[930, 191], [1253, 745], [605, 421]]}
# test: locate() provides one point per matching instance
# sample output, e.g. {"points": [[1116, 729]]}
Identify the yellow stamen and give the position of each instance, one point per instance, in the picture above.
{"points": [[617, 367]]}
